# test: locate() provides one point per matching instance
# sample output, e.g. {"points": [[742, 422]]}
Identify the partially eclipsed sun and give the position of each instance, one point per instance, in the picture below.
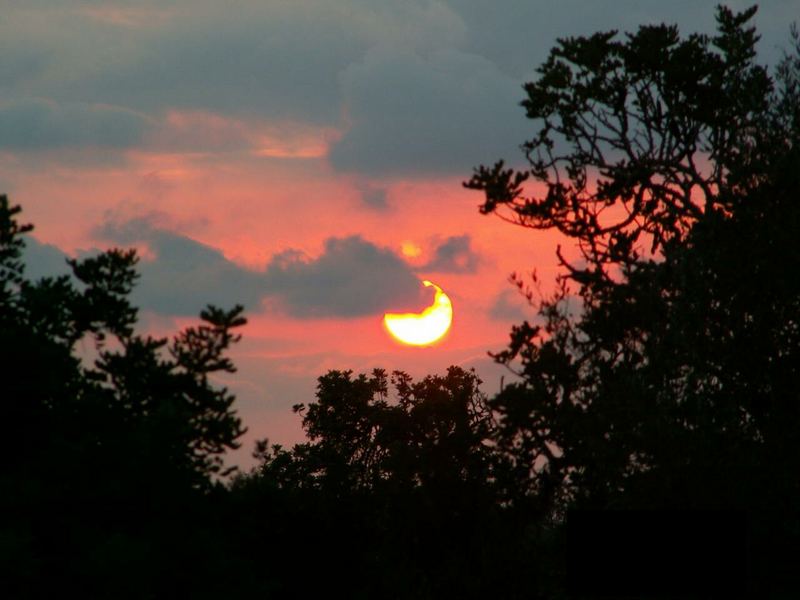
{"points": [[421, 329]]}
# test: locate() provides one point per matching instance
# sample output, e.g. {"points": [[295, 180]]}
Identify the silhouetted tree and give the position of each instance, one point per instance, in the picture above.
{"points": [[400, 491], [665, 370], [106, 434], [434, 433]]}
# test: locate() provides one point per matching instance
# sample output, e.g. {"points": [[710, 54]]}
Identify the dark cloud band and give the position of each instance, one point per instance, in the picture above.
{"points": [[351, 278], [36, 124]]}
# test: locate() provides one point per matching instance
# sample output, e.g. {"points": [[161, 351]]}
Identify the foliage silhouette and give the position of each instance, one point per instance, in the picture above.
{"points": [[664, 371], [432, 435], [406, 484], [105, 452], [639, 139]]}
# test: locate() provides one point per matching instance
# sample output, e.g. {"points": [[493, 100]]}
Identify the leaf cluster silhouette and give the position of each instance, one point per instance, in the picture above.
{"points": [[661, 374]]}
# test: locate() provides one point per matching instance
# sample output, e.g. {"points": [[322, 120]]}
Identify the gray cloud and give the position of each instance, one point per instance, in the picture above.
{"points": [[43, 260], [425, 86], [267, 60], [19, 63], [351, 278], [275, 64], [415, 114], [185, 274], [518, 37], [510, 306], [454, 255], [374, 197], [36, 124]]}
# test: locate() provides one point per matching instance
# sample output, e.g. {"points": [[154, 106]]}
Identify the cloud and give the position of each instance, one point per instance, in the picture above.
{"points": [[43, 260], [510, 306], [417, 88], [271, 60], [374, 197], [351, 278], [415, 114], [20, 62], [454, 255], [518, 37], [184, 275], [36, 124], [280, 67]]}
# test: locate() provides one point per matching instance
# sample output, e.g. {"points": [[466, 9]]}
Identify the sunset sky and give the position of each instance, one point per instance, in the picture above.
{"points": [[302, 157]]}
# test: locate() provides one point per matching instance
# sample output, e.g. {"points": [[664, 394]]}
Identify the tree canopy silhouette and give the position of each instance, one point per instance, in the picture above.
{"points": [[664, 370], [403, 482], [430, 436], [639, 139], [109, 430]]}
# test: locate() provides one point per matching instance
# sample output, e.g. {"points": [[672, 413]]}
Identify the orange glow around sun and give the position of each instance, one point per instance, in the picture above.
{"points": [[410, 249], [425, 328]]}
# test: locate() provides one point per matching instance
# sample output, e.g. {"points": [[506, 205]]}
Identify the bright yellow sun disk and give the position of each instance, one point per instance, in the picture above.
{"points": [[422, 329]]}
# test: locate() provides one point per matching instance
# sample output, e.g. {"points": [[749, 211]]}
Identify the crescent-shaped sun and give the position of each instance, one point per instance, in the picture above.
{"points": [[425, 328]]}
